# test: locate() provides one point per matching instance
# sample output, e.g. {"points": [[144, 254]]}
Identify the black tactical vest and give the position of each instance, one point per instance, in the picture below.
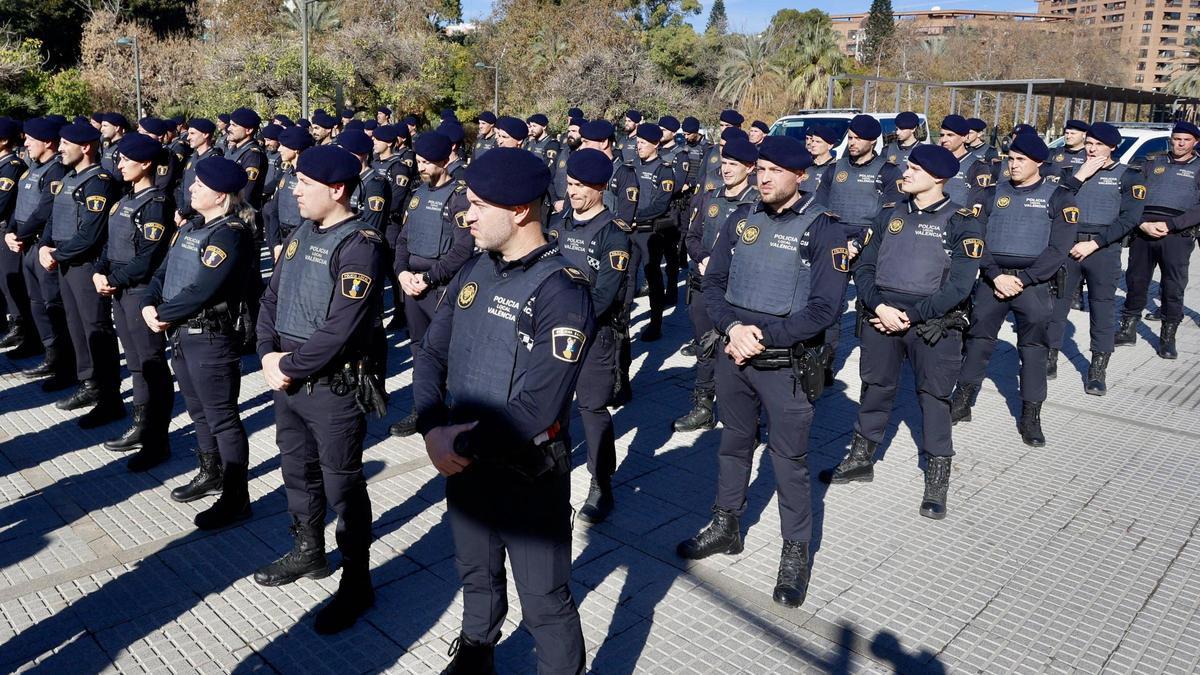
{"points": [[482, 362], [356, 197], [898, 154], [109, 159], [1099, 200], [189, 177], [578, 243], [428, 222], [712, 169], [914, 255], [289, 204], [1020, 221], [560, 173], [716, 207], [307, 281], [1067, 160], [539, 147], [65, 217], [647, 176], [124, 225], [30, 190], [854, 193], [1171, 186], [610, 196], [695, 162], [770, 272], [958, 189], [184, 260], [482, 145], [814, 176], [274, 168]]}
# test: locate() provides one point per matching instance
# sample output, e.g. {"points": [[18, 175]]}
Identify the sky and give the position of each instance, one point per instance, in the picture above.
{"points": [[754, 15]]}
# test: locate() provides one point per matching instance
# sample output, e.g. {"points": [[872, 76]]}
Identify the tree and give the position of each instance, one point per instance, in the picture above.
{"points": [[881, 25], [750, 78], [818, 59], [1185, 77], [718, 22]]}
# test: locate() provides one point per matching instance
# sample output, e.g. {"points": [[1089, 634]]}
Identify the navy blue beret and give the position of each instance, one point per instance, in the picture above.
{"points": [[956, 124], [669, 123], [356, 141], [936, 160], [730, 133], [284, 120], [538, 118], [1105, 133], [486, 116], [224, 117], [202, 125], [513, 127], [576, 122], [402, 131], [61, 120], [1186, 128], [907, 120], [271, 132], [1077, 125], [1023, 129], [509, 177], [825, 133], [634, 116], [590, 166], [650, 132], [784, 151], [221, 175], [116, 119], [742, 150], [732, 117], [42, 129], [690, 125], [1030, 145], [10, 129], [296, 138], [386, 133], [79, 133], [355, 124], [453, 131], [448, 114], [347, 113], [329, 164], [761, 126], [154, 126], [410, 120], [370, 125], [139, 147], [245, 117], [866, 127], [574, 112], [597, 130], [98, 117], [433, 146], [303, 122], [81, 118], [976, 124], [385, 110], [324, 120]]}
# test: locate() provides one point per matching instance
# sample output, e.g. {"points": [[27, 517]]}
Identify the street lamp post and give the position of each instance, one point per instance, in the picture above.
{"points": [[304, 4], [495, 84], [137, 69]]}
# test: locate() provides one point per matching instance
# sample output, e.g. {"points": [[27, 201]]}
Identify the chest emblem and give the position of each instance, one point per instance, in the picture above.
{"points": [[466, 295], [1003, 202], [841, 176], [291, 249], [896, 225], [713, 211], [750, 235]]}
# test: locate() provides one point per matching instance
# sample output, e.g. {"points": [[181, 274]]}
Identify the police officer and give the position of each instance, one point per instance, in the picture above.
{"points": [[21, 333], [274, 171], [656, 188], [200, 140], [913, 278], [819, 142], [322, 128], [708, 213], [1110, 198], [510, 132], [433, 244], [281, 214], [506, 350], [486, 139], [168, 171], [972, 174], [697, 147], [245, 150], [773, 285], [625, 145], [112, 127], [31, 214], [571, 141], [454, 131], [372, 195], [1165, 238], [1074, 151], [729, 119], [319, 321], [139, 233], [1030, 228], [410, 122], [194, 298], [593, 240], [897, 151], [222, 142], [391, 165], [621, 197], [383, 115], [758, 131], [347, 117], [862, 181], [976, 143], [677, 155], [573, 115], [539, 142], [72, 245]]}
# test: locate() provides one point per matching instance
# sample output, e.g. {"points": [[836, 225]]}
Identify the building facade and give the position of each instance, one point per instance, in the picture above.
{"points": [[933, 24]]}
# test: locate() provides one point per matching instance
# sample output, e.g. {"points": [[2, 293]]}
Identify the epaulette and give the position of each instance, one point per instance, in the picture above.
{"points": [[964, 211], [622, 225], [832, 215], [889, 205], [370, 234], [14, 162], [575, 275]]}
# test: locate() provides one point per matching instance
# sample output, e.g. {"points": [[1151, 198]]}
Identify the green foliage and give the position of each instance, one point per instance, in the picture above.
{"points": [[676, 50], [21, 79], [718, 21], [66, 93], [881, 26], [658, 13]]}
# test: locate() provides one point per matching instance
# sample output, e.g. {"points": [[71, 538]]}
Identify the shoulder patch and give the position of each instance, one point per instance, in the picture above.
{"points": [[96, 203], [567, 343], [841, 259], [252, 172], [375, 203], [355, 285], [668, 185], [973, 248], [213, 256], [1071, 214], [1138, 191], [618, 260], [6, 184], [460, 219], [983, 179], [631, 193], [153, 231]]}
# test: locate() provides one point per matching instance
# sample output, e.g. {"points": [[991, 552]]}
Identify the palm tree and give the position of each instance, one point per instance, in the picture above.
{"points": [[749, 78], [817, 59], [1185, 79], [322, 16]]}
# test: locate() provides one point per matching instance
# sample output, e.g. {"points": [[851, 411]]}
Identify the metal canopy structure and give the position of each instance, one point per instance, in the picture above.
{"points": [[1086, 91]]}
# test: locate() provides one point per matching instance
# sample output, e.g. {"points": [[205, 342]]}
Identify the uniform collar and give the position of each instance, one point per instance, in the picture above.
{"points": [[1172, 160], [571, 222], [1028, 188], [851, 162], [738, 196], [937, 206], [321, 230], [800, 206], [526, 261]]}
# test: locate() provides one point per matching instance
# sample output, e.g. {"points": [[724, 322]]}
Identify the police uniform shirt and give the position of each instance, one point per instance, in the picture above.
{"points": [[621, 197], [450, 203], [603, 257], [1058, 207], [11, 170], [372, 199], [140, 228], [625, 147], [220, 273], [551, 331], [656, 188], [824, 250], [1173, 191], [36, 189], [708, 213], [1110, 202], [352, 304], [856, 190], [90, 199], [933, 253], [250, 155]]}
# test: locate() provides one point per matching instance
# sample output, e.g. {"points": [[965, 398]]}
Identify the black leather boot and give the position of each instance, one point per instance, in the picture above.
{"points": [[110, 408], [791, 584], [723, 535], [86, 396], [598, 505], [132, 438], [306, 559], [859, 465], [405, 427], [1127, 331], [689, 349], [470, 657], [960, 402], [1051, 364], [207, 480], [12, 335], [1031, 424], [937, 485], [1096, 373], [234, 503], [1153, 316], [48, 366], [700, 416], [353, 598], [156, 448], [1166, 340]]}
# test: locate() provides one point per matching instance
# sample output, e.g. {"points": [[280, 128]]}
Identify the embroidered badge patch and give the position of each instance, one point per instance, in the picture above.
{"points": [[567, 343]]}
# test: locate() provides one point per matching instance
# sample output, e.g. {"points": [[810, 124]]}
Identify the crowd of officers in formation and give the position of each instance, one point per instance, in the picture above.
{"points": [[514, 264]]}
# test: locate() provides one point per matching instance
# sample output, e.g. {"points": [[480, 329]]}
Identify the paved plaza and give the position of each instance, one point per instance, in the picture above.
{"points": [[1080, 557]]}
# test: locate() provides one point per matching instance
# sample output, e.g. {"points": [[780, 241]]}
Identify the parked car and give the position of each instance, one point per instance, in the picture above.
{"points": [[797, 125], [1138, 141]]}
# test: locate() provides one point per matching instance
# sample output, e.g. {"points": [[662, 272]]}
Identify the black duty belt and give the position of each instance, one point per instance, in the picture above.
{"points": [[1086, 236]]}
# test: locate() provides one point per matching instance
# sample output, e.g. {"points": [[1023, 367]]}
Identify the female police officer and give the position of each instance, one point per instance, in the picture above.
{"points": [[195, 296]]}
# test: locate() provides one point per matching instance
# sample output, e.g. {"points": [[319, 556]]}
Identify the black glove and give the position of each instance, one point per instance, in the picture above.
{"points": [[931, 331]]}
